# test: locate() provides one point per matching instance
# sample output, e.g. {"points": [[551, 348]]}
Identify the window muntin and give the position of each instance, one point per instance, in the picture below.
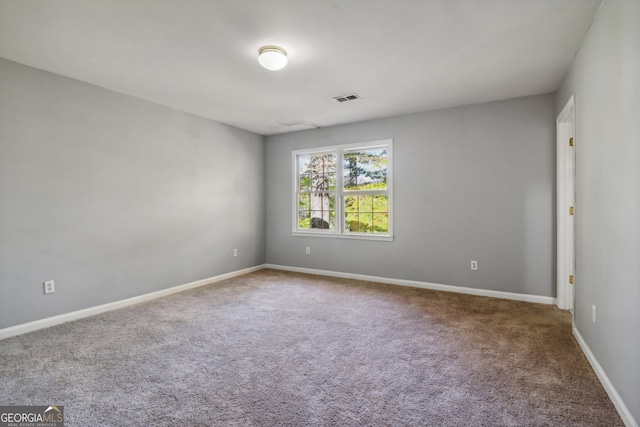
{"points": [[344, 191]]}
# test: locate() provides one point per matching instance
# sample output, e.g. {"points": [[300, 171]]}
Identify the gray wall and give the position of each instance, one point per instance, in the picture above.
{"points": [[475, 182], [113, 197], [605, 79]]}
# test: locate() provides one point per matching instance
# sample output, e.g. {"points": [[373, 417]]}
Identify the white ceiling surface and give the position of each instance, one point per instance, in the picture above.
{"points": [[400, 56]]}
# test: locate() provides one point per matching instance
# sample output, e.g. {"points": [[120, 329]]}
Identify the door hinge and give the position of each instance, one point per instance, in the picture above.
{"points": [[570, 142], [571, 210], [571, 279]]}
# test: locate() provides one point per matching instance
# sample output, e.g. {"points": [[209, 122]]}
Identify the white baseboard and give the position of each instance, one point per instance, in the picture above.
{"points": [[624, 412], [91, 311], [423, 285]]}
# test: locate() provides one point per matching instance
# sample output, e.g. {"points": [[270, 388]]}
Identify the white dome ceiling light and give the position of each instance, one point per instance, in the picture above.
{"points": [[272, 57]]}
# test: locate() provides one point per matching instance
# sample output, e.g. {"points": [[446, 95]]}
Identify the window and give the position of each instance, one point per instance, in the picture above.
{"points": [[344, 191]]}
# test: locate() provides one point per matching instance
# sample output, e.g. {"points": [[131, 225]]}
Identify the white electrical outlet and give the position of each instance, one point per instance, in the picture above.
{"points": [[235, 252], [49, 287], [474, 265], [308, 250], [593, 313]]}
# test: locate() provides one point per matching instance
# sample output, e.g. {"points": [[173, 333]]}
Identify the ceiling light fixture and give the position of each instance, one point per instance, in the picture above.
{"points": [[272, 57]]}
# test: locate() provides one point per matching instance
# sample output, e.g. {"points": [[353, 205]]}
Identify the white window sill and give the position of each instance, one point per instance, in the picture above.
{"points": [[357, 236]]}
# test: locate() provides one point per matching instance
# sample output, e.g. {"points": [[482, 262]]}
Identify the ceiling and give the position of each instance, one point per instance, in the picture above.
{"points": [[400, 56]]}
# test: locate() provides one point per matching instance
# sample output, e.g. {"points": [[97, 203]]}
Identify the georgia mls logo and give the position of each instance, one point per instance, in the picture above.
{"points": [[32, 416], [53, 408]]}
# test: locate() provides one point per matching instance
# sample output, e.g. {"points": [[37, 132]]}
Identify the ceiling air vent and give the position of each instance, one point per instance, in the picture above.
{"points": [[345, 98]]}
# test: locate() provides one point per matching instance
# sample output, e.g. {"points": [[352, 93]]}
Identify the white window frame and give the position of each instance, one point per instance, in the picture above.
{"points": [[339, 230]]}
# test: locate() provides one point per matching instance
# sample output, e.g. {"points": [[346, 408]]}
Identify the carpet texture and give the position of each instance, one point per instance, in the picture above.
{"points": [[274, 348]]}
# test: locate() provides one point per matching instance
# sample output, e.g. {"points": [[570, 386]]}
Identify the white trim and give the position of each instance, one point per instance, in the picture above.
{"points": [[361, 236], [91, 311], [565, 189], [345, 147], [624, 412], [340, 192], [424, 285]]}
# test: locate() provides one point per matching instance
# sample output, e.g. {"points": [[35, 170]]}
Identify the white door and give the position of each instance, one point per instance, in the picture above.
{"points": [[566, 192]]}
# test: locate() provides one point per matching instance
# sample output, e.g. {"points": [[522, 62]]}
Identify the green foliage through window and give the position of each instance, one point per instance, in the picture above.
{"points": [[366, 214], [364, 167]]}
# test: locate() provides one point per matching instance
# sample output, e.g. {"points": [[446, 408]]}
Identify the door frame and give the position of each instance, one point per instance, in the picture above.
{"points": [[566, 196]]}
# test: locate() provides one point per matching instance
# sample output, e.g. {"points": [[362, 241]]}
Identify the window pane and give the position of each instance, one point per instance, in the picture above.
{"points": [[305, 182], [304, 162], [320, 219], [329, 163], [319, 182], [351, 203], [366, 220], [322, 163], [380, 222], [304, 219], [351, 213], [365, 169], [303, 202], [351, 222], [332, 181], [380, 203], [365, 204], [321, 201]]}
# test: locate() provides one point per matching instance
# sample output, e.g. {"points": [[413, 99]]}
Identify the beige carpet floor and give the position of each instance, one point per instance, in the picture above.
{"points": [[283, 349]]}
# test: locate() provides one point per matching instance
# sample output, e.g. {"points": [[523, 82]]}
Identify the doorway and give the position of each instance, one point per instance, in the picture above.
{"points": [[566, 201]]}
